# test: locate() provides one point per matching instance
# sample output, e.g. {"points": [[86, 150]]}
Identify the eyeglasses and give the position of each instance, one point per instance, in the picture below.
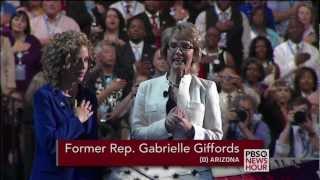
{"points": [[183, 45]]}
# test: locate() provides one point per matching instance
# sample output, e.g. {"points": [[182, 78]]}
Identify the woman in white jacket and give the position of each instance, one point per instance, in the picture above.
{"points": [[178, 105]]}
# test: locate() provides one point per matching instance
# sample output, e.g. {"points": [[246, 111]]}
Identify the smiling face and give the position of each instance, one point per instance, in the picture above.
{"points": [[180, 53], [19, 24], [180, 45]]}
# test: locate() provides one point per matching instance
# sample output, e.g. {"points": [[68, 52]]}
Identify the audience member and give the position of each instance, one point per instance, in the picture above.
{"points": [[7, 11], [124, 108], [52, 22], [160, 65], [247, 7], [306, 15], [115, 27], [294, 53], [214, 58], [231, 87], [274, 108], [155, 21], [111, 85], [233, 25], [261, 49], [282, 11], [300, 138], [32, 8], [86, 14], [245, 123], [27, 51], [305, 82], [314, 100], [180, 12], [259, 27], [137, 53], [128, 8], [8, 76], [253, 75]]}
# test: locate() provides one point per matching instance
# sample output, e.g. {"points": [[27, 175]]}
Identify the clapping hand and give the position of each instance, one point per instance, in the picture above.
{"points": [[178, 118], [83, 112]]}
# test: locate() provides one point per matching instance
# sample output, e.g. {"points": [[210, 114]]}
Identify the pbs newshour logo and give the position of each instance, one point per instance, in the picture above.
{"points": [[256, 160]]}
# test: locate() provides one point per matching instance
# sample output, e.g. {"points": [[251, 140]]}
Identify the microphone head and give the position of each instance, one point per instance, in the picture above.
{"points": [[165, 93]]}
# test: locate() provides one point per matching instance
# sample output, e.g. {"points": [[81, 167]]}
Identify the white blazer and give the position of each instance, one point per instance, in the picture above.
{"points": [[198, 97]]}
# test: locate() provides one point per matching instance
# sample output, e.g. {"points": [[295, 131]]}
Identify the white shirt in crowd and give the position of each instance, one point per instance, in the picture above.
{"points": [[284, 57], [245, 39], [137, 50], [302, 147], [43, 29], [156, 18], [128, 8]]}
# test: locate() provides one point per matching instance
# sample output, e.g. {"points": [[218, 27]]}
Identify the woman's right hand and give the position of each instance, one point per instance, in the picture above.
{"points": [[118, 84], [83, 112]]}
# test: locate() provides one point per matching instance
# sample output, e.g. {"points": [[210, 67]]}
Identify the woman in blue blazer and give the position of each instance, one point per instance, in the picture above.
{"points": [[63, 109]]}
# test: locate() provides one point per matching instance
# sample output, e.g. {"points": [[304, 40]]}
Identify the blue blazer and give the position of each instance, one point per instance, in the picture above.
{"points": [[54, 119]]}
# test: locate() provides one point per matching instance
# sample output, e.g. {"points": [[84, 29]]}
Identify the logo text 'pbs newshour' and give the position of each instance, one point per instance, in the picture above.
{"points": [[256, 160]]}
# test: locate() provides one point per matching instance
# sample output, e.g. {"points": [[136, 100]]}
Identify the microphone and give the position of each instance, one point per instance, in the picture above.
{"points": [[165, 93]]}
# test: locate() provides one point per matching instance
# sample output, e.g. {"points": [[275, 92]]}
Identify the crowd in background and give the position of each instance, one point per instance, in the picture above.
{"points": [[263, 55]]}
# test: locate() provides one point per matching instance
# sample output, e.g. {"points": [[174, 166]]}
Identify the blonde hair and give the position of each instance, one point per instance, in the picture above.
{"points": [[183, 30]]}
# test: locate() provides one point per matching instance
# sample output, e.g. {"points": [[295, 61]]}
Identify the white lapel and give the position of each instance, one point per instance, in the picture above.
{"points": [[183, 97]]}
